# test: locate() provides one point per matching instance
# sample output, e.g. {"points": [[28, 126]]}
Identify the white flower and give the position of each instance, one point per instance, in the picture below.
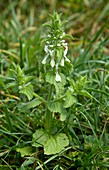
{"points": [[58, 78], [65, 44], [44, 60], [52, 62], [63, 41], [57, 67], [49, 35], [46, 49], [67, 59], [58, 45], [66, 50], [63, 33], [51, 45], [51, 52], [62, 62]]}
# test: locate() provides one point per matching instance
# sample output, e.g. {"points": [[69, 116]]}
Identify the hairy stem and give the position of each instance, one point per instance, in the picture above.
{"points": [[40, 98], [48, 117]]}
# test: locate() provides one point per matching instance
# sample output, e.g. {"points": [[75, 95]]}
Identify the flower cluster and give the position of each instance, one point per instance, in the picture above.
{"points": [[55, 47]]}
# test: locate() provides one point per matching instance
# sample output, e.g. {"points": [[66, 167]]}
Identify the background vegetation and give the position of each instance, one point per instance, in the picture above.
{"points": [[21, 32]]}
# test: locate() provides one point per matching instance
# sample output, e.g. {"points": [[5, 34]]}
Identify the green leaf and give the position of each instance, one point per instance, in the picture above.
{"points": [[69, 100], [63, 79], [39, 138], [73, 85], [27, 90], [81, 82], [25, 151], [57, 106], [67, 36], [50, 77], [59, 88], [25, 106], [52, 143], [10, 85], [79, 85], [63, 116], [28, 78], [68, 68], [85, 93], [56, 144]]}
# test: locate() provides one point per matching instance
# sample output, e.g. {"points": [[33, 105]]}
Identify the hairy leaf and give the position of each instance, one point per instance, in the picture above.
{"points": [[56, 144], [39, 138], [59, 89], [69, 100], [25, 106], [25, 151], [57, 106], [27, 90], [50, 77], [10, 85], [85, 93], [52, 143]]}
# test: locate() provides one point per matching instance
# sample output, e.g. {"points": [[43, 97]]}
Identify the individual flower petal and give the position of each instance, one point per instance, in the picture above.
{"points": [[51, 52], [58, 45], [47, 42], [65, 44], [44, 60], [66, 50], [63, 41], [52, 62], [51, 45], [63, 33], [62, 62], [58, 77], [67, 59], [57, 67], [46, 49]]}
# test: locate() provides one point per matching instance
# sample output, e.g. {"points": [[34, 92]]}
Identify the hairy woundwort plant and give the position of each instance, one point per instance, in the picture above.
{"points": [[62, 90]]}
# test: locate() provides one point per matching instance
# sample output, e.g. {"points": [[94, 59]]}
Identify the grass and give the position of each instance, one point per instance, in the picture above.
{"points": [[87, 123]]}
